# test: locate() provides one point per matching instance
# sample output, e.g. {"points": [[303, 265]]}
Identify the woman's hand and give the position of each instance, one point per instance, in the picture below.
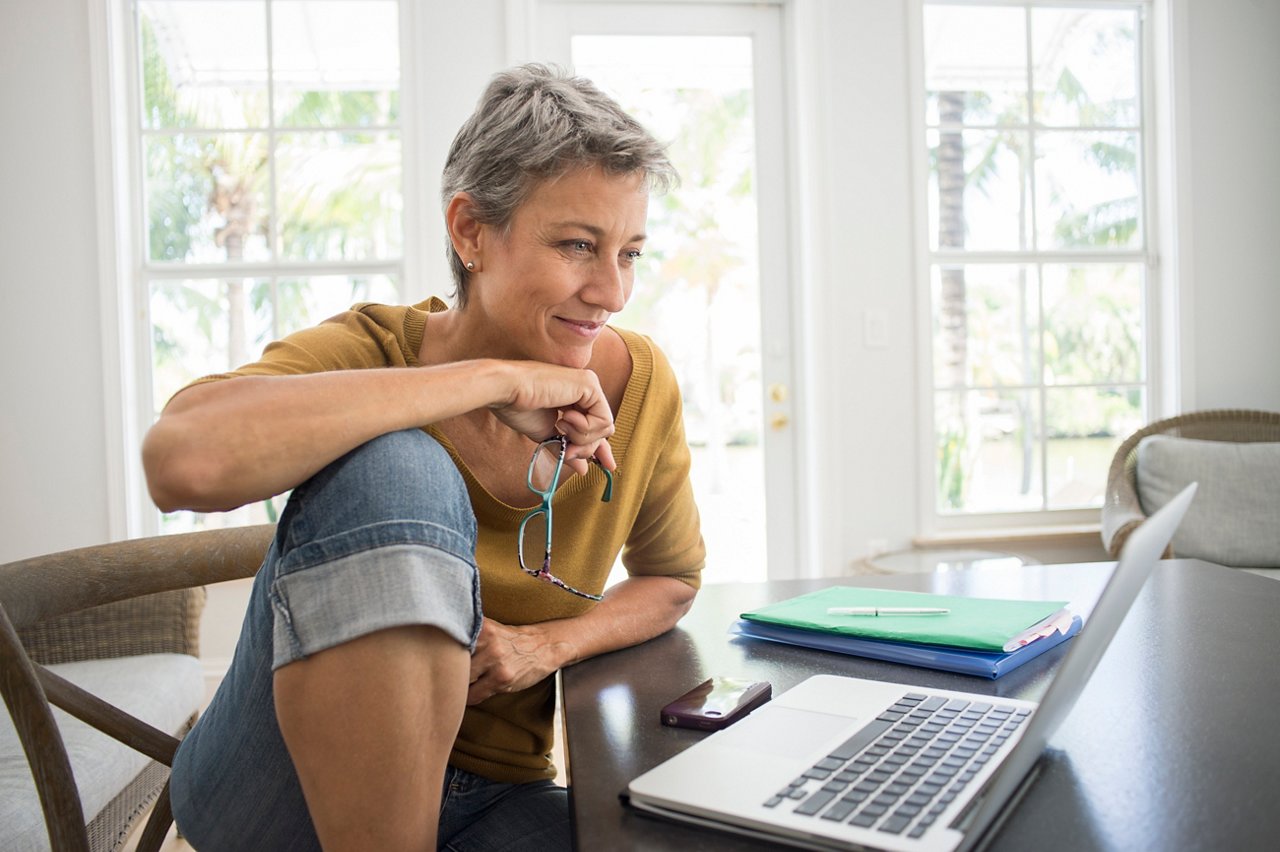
{"points": [[509, 659], [546, 399]]}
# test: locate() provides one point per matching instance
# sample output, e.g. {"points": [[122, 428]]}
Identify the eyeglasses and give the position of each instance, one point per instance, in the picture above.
{"points": [[535, 529]]}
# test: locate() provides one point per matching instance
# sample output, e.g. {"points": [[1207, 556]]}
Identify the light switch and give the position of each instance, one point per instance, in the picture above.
{"points": [[875, 329]]}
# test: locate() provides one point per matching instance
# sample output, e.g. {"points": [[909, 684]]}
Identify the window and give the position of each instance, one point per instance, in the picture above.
{"points": [[269, 158], [1038, 255]]}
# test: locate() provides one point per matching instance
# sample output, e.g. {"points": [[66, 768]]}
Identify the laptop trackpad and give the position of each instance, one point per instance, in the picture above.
{"points": [[783, 731]]}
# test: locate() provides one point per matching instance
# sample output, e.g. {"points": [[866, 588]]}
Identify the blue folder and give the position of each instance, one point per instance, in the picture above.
{"points": [[961, 660]]}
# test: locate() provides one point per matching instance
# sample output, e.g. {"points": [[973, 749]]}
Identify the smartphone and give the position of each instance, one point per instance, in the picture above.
{"points": [[716, 703]]}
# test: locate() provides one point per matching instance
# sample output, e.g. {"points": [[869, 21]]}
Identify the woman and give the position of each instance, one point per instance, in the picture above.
{"points": [[393, 684]]}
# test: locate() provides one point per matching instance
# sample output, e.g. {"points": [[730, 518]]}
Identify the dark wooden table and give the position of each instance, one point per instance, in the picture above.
{"points": [[1174, 744]]}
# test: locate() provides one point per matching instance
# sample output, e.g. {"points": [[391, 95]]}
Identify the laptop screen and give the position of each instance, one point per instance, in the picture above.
{"points": [[1137, 559]]}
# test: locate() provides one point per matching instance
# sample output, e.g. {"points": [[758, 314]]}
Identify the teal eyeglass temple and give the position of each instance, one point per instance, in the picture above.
{"points": [[544, 573]]}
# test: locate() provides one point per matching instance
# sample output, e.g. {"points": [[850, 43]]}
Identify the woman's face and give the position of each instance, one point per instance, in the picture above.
{"points": [[548, 286]]}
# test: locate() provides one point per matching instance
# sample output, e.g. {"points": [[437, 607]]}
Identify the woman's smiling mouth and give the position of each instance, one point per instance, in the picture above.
{"points": [[584, 328]]}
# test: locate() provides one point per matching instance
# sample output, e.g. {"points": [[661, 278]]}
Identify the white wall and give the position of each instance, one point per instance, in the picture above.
{"points": [[1234, 74], [53, 481], [864, 222]]}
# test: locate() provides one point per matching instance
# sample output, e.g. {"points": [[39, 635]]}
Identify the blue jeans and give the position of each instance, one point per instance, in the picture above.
{"points": [[382, 537]]}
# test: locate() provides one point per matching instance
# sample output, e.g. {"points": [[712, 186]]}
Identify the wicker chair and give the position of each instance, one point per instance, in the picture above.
{"points": [[1122, 511], [103, 603]]}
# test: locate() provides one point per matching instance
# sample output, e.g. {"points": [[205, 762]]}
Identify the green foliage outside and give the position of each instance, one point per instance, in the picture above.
{"points": [[1092, 323], [208, 194], [208, 200]]}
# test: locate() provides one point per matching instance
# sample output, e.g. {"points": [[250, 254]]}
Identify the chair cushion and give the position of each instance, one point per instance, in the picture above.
{"points": [[164, 690], [1233, 519]]}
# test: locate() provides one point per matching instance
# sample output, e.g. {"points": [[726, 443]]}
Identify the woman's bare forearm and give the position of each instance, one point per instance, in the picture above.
{"points": [[227, 443], [633, 611]]}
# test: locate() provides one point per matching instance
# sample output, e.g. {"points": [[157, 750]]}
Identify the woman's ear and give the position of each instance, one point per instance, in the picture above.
{"points": [[464, 229]]}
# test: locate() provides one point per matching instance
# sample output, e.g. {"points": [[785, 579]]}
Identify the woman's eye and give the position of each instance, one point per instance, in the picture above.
{"points": [[631, 256], [575, 248]]}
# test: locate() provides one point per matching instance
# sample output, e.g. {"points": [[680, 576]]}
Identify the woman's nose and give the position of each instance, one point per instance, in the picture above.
{"points": [[609, 288]]}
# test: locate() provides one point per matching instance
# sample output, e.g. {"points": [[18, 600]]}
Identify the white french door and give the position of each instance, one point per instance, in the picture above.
{"points": [[714, 289]]}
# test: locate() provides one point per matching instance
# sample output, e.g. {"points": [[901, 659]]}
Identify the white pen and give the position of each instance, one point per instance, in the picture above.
{"points": [[886, 610]]}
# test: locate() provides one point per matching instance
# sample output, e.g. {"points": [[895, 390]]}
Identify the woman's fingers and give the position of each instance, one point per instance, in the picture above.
{"points": [[604, 455], [587, 440], [580, 463], [507, 659], [548, 399]]}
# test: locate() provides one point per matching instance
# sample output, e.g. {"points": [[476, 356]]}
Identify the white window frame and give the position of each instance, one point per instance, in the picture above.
{"points": [[123, 264], [1162, 296]]}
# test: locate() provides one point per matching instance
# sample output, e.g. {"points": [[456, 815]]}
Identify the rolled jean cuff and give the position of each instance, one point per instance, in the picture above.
{"points": [[389, 585]]}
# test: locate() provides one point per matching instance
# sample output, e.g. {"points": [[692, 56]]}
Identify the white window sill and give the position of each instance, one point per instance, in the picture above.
{"points": [[1009, 536]]}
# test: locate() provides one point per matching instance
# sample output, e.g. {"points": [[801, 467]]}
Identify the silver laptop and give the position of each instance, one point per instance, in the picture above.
{"points": [[839, 762]]}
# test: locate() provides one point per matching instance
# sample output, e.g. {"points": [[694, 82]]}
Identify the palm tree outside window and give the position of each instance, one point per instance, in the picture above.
{"points": [[270, 147], [1037, 250]]}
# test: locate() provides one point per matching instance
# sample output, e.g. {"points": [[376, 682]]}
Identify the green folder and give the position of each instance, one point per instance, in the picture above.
{"points": [[980, 623]]}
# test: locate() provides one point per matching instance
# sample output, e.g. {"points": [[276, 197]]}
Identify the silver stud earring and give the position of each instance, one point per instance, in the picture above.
{"points": [[471, 266]]}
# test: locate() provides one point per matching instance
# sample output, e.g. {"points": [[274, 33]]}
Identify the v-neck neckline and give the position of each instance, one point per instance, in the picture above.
{"points": [[625, 418]]}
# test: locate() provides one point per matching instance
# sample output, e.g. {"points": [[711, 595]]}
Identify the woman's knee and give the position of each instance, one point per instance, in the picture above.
{"points": [[384, 536], [399, 476], [395, 451], [409, 460]]}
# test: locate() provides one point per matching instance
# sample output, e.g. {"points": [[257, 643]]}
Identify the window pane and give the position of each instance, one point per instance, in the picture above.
{"points": [[986, 325], [1086, 67], [988, 451], [978, 190], [206, 197], [1085, 427], [335, 63], [1093, 323], [304, 302], [1087, 190], [204, 63], [975, 65], [204, 326], [199, 327], [340, 196]]}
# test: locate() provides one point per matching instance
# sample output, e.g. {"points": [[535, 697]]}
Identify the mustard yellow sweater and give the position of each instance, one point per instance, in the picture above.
{"points": [[652, 519]]}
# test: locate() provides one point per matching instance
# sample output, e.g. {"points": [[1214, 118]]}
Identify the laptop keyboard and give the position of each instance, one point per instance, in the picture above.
{"points": [[899, 773]]}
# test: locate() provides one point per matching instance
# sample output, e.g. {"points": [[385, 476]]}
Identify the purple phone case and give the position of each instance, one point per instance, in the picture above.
{"points": [[716, 703]]}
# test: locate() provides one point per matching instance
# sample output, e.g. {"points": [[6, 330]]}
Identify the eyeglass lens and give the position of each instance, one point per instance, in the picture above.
{"points": [[533, 541], [545, 465]]}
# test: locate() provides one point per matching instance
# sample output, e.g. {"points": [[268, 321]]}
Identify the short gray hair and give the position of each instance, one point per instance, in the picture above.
{"points": [[536, 123]]}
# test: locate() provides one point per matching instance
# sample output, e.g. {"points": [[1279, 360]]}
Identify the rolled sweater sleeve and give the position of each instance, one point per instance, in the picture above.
{"points": [[366, 337]]}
